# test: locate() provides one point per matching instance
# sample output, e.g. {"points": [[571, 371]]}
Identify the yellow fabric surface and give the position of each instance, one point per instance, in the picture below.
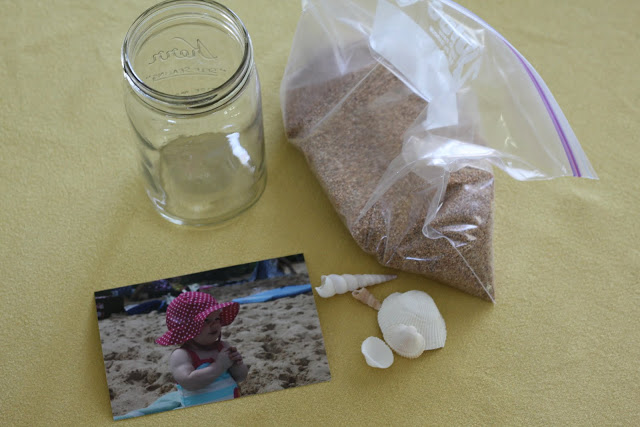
{"points": [[561, 346]]}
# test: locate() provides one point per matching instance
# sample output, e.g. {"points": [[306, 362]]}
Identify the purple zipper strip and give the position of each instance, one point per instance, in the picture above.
{"points": [[554, 118], [563, 138]]}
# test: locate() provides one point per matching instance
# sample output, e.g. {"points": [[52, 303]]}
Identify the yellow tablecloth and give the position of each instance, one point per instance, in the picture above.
{"points": [[561, 346]]}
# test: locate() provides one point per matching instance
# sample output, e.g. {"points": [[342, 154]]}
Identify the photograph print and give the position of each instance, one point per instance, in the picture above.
{"points": [[210, 336]]}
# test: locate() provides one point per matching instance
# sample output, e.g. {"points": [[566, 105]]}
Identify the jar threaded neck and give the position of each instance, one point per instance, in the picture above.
{"points": [[156, 51]]}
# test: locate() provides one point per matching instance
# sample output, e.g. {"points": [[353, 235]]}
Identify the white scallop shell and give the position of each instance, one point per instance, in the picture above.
{"points": [[377, 353], [417, 309], [343, 283], [405, 340]]}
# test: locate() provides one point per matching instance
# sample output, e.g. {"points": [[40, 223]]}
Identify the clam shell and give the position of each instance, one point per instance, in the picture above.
{"points": [[376, 353], [342, 283], [405, 340], [417, 309]]}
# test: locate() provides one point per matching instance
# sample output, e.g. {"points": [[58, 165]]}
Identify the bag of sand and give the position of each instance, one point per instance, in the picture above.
{"points": [[401, 109]]}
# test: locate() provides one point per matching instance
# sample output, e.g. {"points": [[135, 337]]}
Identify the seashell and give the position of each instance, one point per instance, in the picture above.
{"points": [[342, 283], [377, 353], [417, 309], [364, 296], [405, 340]]}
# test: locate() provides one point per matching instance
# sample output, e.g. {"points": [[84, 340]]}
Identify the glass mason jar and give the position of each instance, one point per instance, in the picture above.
{"points": [[192, 95]]}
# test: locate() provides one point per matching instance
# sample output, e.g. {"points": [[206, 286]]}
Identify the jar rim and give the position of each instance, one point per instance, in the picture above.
{"points": [[213, 98]]}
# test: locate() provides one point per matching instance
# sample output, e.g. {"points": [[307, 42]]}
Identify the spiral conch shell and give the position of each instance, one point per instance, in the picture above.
{"points": [[343, 283], [401, 311], [365, 297]]}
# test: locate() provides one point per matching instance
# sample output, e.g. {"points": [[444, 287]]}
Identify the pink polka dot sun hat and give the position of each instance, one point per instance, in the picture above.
{"points": [[186, 315]]}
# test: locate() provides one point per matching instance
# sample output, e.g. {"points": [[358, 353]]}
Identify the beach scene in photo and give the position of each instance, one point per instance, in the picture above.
{"points": [[276, 330]]}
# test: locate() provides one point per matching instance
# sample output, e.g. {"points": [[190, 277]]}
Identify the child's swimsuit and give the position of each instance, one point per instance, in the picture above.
{"points": [[222, 388]]}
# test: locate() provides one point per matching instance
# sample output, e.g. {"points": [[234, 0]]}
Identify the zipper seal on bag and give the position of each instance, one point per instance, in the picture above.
{"points": [[542, 90]]}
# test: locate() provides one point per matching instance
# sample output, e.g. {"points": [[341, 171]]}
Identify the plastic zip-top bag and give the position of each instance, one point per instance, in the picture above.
{"points": [[402, 108]]}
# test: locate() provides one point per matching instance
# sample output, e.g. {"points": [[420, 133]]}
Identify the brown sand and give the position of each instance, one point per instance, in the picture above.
{"points": [[280, 341], [350, 130]]}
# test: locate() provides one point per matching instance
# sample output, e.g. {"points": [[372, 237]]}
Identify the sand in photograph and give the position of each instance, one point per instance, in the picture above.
{"points": [[280, 340]]}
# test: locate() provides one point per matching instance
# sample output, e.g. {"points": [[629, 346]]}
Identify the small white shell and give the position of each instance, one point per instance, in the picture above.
{"points": [[417, 309], [377, 353], [405, 340], [364, 296], [343, 283]]}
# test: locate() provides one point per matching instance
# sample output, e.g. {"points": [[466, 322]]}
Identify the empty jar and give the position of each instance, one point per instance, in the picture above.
{"points": [[192, 95]]}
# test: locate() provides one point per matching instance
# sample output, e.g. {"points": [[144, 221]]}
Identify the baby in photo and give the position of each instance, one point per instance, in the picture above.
{"points": [[206, 368], [210, 336]]}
